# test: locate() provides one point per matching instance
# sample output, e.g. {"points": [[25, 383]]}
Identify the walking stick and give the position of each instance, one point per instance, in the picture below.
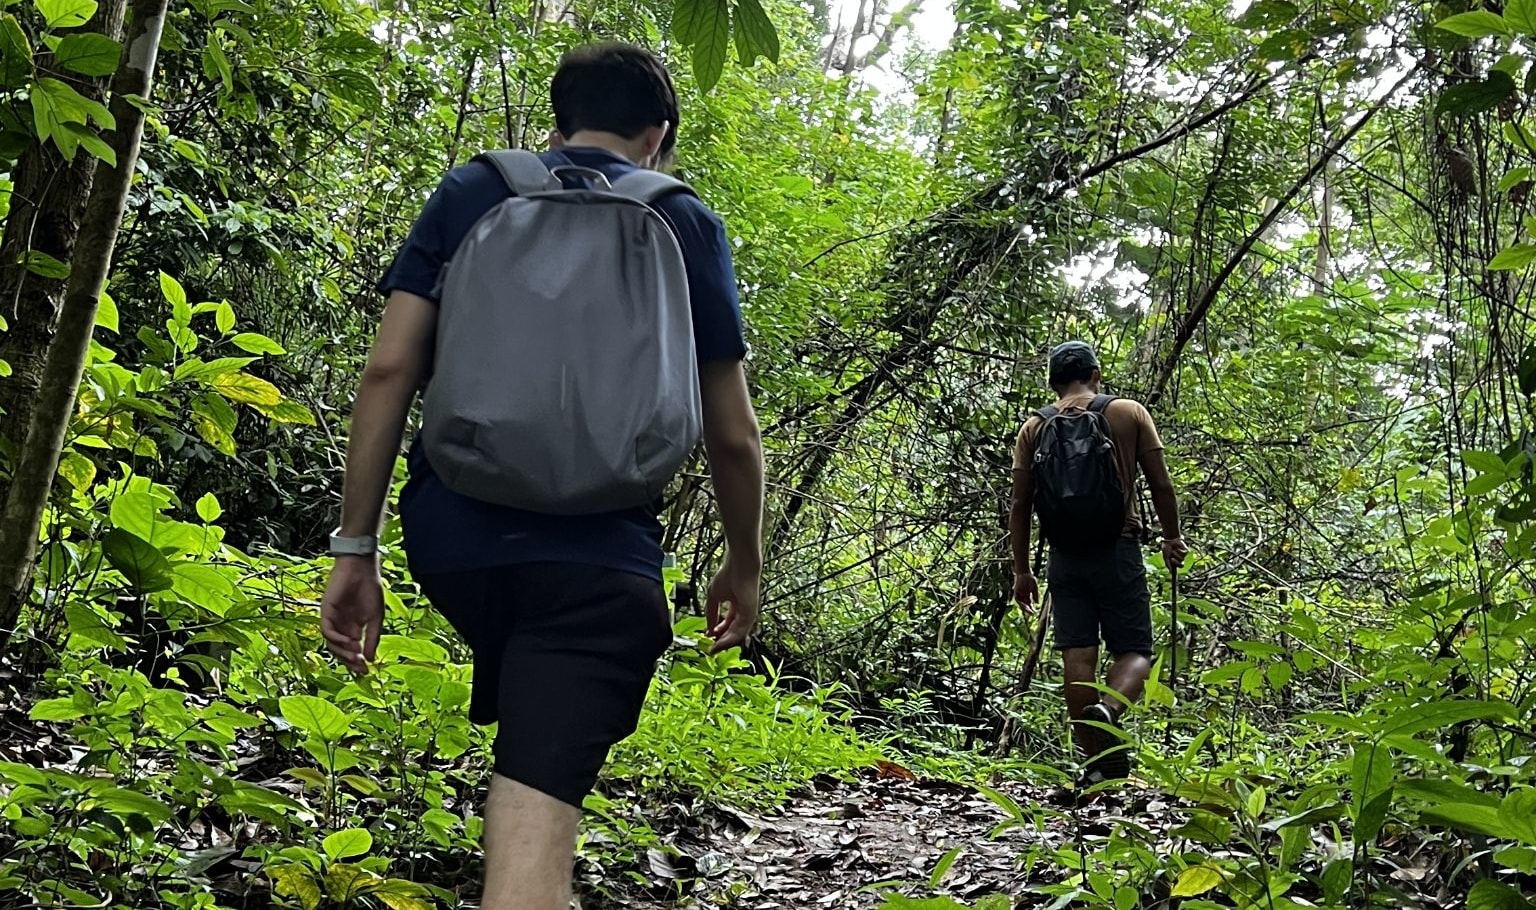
{"points": [[1173, 634]]}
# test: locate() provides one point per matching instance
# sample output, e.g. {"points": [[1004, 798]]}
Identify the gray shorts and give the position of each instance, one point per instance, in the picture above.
{"points": [[1102, 595]]}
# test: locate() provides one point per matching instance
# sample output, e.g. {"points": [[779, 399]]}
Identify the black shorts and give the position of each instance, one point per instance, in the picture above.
{"points": [[563, 657], [1102, 594]]}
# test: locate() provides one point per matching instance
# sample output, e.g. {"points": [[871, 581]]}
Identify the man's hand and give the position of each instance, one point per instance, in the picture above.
{"points": [[352, 611], [1174, 551], [1026, 590], [737, 590]]}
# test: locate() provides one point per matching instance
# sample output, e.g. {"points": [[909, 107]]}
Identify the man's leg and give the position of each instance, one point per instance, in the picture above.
{"points": [[1080, 668], [1128, 676], [530, 845]]}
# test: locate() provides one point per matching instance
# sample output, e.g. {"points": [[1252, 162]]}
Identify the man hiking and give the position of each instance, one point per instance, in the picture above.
{"points": [[574, 322], [1075, 465]]}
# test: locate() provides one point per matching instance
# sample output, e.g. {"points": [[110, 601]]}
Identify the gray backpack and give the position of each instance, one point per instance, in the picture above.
{"points": [[564, 378]]}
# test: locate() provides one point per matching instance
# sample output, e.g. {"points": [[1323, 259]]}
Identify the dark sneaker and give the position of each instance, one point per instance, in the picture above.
{"points": [[1112, 752], [1073, 796]]}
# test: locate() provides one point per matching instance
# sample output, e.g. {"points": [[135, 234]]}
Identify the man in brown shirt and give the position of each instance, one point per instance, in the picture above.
{"points": [[1099, 592]]}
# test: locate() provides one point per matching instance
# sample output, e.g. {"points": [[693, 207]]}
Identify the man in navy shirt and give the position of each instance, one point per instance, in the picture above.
{"points": [[564, 614]]}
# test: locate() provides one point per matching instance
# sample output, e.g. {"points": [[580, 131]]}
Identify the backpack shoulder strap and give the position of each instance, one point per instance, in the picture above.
{"points": [[1100, 402], [648, 186], [523, 171], [1047, 412]]}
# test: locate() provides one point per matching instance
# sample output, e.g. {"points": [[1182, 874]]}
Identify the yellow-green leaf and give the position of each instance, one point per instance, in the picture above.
{"points": [[297, 882], [106, 313], [66, 13], [78, 470], [1196, 880], [247, 389]]}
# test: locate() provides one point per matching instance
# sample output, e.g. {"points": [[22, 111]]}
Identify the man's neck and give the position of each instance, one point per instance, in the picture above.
{"points": [[1077, 389], [608, 142]]}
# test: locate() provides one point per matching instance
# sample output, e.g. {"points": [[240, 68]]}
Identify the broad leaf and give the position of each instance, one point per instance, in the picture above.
{"points": [[1437, 714], [257, 344], [244, 388], [66, 13], [755, 34], [15, 53], [347, 843], [88, 53], [1515, 257], [106, 313], [1476, 97], [1196, 880], [297, 882], [1476, 24], [145, 567], [1493, 895], [55, 104], [315, 716], [136, 512], [208, 508], [1518, 813], [1521, 16]]}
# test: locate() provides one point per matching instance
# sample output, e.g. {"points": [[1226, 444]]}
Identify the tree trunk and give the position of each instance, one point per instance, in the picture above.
{"points": [[46, 207], [38, 459]]}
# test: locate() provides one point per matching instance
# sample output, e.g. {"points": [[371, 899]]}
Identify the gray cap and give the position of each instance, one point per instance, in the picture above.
{"points": [[1069, 357]]}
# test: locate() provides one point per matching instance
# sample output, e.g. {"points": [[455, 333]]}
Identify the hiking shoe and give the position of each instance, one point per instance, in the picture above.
{"points": [[1112, 752], [1076, 795]]}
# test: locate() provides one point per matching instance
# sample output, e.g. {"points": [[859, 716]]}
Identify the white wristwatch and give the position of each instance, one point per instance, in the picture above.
{"points": [[353, 546]]}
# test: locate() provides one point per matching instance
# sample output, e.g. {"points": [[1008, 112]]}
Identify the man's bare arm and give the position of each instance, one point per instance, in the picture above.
{"points": [[1022, 504], [1160, 486], [396, 366], [735, 448]]}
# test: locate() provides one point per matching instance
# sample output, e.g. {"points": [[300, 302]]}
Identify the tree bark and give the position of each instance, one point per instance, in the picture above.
{"points": [[38, 459], [46, 207]]}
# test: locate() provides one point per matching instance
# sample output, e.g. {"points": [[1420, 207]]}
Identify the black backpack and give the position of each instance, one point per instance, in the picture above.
{"points": [[1078, 494]]}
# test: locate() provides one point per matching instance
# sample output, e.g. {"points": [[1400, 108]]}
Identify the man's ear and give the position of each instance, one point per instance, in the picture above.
{"points": [[556, 141], [654, 136]]}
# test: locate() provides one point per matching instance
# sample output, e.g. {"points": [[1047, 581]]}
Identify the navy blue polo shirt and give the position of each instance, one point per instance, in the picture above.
{"points": [[449, 532]]}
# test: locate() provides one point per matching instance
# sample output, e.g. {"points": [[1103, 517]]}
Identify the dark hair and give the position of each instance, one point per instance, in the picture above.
{"points": [[613, 88], [1063, 375]]}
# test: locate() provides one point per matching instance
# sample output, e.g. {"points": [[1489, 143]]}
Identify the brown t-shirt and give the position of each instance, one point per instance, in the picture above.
{"points": [[1134, 435]]}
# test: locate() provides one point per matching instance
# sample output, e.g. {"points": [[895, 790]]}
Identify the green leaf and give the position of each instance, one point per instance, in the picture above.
{"points": [[145, 567], [1518, 813], [315, 716], [1197, 880], [755, 34], [78, 470], [215, 421], [1435, 715], [89, 54], [289, 411], [347, 843], [297, 882], [1476, 97], [1476, 24], [121, 801], [1286, 44], [176, 296], [1516, 257], [224, 317], [1484, 462], [1267, 14], [66, 13], [257, 343], [208, 508], [204, 586], [194, 368], [92, 143], [1279, 675], [1494, 895], [704, 26], [1521, 859], [135, 511], [106, 313], [244, 388], [1521, 16], [15, 53], [54, 710], [39, 263]]}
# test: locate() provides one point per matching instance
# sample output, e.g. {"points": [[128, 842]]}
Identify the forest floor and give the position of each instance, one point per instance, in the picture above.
{"points": [[844, 844]]}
